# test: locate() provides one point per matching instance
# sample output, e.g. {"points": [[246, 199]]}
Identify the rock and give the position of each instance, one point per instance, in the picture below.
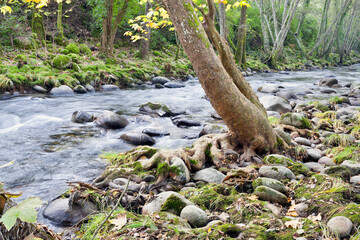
{"points": [[353, 166], [268, 89], [160, 80], [138, 139], [212, 129], [156, 108], [314, 166], [269, 182], [351, 111], [172, 221], [120, 183], [173, 204], [89, 88], [328, 82], [60, 212], [284, 135], [269, 194], [273, 114], [184, 122], [301, 209], [152, 132], [278, 160], [286, 95], [295, 119], [355, 180], [275, 210], [314, 154], [284, 72], [159, 86], [194, 215], [337, 171], [81, 117], [80, 89], [276, 172], [303, 141], [63, 90], [174, 85], [355, 90], [111, 120], [149, 178], [277, 104], [24, 42], [156, 204], [39, 89], [62, 61], [327, 91], [209, 175], [341, 226], [183, 175], [326, 161], [109, 87]]}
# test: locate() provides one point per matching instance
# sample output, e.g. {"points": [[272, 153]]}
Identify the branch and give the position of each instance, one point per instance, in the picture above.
{"points": [[212, 9], [112, 210], [199, 8]]}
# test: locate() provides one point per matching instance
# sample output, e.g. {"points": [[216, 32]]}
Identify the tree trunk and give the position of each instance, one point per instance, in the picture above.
{"points": [[240, 54], [244, 118], [59, 20], [145, 43], [37, 26], [222, 20]]}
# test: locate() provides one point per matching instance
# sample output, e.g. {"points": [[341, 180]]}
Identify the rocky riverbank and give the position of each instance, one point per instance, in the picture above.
{"points": [[308, 190]]}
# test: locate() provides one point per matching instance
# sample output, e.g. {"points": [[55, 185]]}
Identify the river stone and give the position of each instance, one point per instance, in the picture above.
{"points": [[351, 111], [111, 120], [327, 91], [152, 132], [353, 166], [337, 171], [212, 129], [63, 90], [355, 90], [295, 119], [138, 139], [183, 175], [269, 194], [120, 183], [156, 204], [277, 104], [79, 89], [286, 95], [174, 85], [268, 89], [328, 82], [326, 161], [89, 88], [39, 89], [355, 180], [341, 226], [62, 214], [274, 209], [284, 135], [159, 80], [314, 154], [149, 178], [194, 215], [269, 182], [278, 160], [109, 87], [209, 175], [184, 122], [276, 172], [314, 166], [156, 108], [303, 141], [81, 117], [301, 209]]}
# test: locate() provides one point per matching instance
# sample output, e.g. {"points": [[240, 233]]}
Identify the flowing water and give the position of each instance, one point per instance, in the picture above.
{"points": [[48, 150]]}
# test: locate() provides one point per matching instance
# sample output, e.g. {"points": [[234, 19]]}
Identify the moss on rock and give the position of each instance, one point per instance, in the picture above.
{"points": [[62, 61]]}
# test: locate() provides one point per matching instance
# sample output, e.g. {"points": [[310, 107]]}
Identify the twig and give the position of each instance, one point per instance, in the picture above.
{"points": [[112, 210]]}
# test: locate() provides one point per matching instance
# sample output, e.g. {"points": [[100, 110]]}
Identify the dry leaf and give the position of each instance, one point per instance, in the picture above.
{"points": [[253, 197], [294, 224], [209, 230], [292, 210], [315, 219], [119, 222]]}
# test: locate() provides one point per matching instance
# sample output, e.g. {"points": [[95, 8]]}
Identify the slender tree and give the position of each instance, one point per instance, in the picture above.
{"points": [[145, 42]]}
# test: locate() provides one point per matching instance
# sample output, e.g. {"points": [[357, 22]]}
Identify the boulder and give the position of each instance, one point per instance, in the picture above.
{"points": [[328, 82], [39, 89], [61, 213], [302, 141], [209, 175], [269, 194], [63, 90], [152, 132], [341, 226], [276, 172], [337, 171], [355, 90], [109, 87], [138, 139], [212, 129], [81, 117], [295, 119], [326, 161], [268, 89], [286, 95], [353, 166], [269, 182], [111, 120], [195, 216], [174, 85], [183, 174], [79, 89], [313, 154], [62, 62], [277, 104], [314, 166], [89, 88], [159, 80]]}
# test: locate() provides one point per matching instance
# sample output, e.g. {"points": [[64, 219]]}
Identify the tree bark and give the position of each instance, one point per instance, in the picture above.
{"points": [[145, 43], [222, 20], [244, 118], [240, 53]]}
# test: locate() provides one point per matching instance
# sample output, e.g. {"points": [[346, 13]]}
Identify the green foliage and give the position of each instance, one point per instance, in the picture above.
{"points": [[84, 49], [25, 211], [73, 48], [5, 83], [346, 153], [62, 61]]}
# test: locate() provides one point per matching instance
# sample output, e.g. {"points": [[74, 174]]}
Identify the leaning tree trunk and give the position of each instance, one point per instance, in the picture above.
{"points": [[145, 43], [240, 54], [37, 26], [244, 118]]}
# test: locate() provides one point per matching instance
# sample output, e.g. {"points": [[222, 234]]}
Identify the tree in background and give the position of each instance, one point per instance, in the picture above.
{"points": [[240, 53]]}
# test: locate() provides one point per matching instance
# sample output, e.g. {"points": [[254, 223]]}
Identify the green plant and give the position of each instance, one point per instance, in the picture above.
{"points": [[5, 83]]}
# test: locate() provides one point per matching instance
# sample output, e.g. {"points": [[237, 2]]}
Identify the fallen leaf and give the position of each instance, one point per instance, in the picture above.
{"points": [[119, 222], [292, 210], [253, 197], [209, 230], [315, 219], [294, 224]]}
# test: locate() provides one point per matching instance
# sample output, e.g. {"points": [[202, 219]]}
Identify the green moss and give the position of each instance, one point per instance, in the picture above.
{"points": [[75, 57], [162, 168], [84, 49], [62, 61], [73, 48], [111, 61], [20, 57], [336, 100], [346, 153], [208, 152], [64, 51], [351, 211], [173, 204]]}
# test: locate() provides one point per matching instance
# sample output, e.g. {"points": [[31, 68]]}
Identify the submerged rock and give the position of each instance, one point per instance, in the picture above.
{"points": [[152, 132], [81, 117], [328, 82], [138, 139], [111, 120], [184, 122], [174, 85], [156, 108]]}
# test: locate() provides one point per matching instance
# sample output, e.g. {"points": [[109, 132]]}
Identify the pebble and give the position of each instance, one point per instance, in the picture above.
{"points": [[194, 215]]}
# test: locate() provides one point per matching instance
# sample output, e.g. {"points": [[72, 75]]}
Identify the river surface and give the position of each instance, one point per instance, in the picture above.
{"points": [[48, 150]]}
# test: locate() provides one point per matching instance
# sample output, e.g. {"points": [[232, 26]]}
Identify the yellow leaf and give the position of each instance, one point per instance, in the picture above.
{"points": [[228, 7], [209, 230], [4, 10], [253, 197], [119, 222]]}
